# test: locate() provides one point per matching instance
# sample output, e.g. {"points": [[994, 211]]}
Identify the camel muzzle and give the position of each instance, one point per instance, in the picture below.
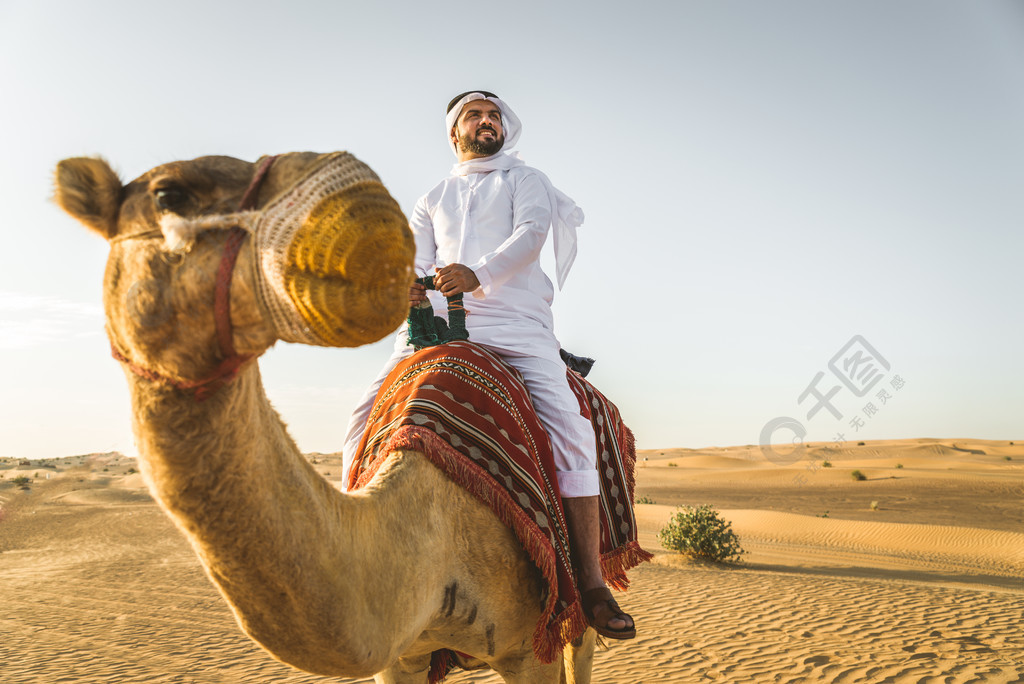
{"points": [[334, 257], [333, 263]]}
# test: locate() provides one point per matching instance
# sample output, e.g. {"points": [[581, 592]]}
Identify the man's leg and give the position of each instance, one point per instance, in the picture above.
{"points": [[357, 422], [581, 514], [575, 451], [584, 529]]}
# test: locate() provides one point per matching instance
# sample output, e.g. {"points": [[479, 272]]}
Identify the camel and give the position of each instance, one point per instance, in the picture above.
{"points": [[338, 584]]}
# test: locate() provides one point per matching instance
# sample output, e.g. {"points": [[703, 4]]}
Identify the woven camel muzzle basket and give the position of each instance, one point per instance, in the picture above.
{"points": [[335, 256]]}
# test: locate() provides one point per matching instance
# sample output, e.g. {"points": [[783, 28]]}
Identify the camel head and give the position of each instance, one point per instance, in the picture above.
{"points": [[324, 256]]}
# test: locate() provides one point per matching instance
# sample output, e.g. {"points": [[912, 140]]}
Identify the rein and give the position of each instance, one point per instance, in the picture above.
{"points": [[228, 368]]}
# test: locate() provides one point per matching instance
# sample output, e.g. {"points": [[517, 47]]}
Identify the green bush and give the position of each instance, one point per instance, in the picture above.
{"points": [[857, 475], [645, 500], [701, 532], [826, 464]]}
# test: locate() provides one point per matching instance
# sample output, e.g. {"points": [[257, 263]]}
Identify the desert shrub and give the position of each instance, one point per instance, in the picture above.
{"points": [[701, 532], [857, 475], [826, 464], [645, 500], [673, 465], [21, 480], [1007, 458], [860, 443], [874, 505], [899, 466]]}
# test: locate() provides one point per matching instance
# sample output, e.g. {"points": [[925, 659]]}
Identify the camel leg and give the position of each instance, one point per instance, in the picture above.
{"points": [[412, 670], [578, 659], [529, 670], [519, 671]]}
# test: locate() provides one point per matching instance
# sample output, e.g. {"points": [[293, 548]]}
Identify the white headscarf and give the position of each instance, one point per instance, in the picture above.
{"points": [[566, 217]]}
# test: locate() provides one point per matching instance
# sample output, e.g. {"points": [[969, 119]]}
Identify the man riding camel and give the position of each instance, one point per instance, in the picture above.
{"points": [[481, 231]]}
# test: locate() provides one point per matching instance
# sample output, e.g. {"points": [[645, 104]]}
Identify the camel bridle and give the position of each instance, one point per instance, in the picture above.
{"points": [[225, 371]]}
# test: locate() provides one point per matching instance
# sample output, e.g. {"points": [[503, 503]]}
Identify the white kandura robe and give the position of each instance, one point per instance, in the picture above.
{"points": [[496, 224]]}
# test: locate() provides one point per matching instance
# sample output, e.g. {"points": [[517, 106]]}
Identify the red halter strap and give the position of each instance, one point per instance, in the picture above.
{"points": [[232, 361]]}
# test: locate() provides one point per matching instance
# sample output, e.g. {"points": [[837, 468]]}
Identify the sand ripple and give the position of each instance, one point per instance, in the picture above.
{"points": [[96, 585]]}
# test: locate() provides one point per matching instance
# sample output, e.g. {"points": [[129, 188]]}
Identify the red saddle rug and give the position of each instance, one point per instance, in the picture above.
{"points": [[470, 414]]}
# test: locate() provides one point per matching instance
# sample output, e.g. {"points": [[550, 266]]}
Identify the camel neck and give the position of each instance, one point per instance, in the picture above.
{"points": [[270, 530]]}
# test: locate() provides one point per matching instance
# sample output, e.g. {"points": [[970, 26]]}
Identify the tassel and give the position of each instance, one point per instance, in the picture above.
{"points": [[441, 663]]}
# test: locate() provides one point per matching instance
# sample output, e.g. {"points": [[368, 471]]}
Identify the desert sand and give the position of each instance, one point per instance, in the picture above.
{"points": [[914, 574]]}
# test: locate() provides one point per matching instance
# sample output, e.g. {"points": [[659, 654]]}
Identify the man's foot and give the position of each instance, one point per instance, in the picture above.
{"points": [[600, 609]]}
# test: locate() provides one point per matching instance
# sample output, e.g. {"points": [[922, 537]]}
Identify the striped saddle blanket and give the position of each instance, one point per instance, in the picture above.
{"points": [[470, 414]]}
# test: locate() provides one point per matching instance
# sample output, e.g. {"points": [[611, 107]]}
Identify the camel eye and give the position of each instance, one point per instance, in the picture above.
{"points": [[170, 198]]}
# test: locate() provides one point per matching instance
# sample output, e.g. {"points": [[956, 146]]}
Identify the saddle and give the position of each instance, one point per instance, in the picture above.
{"points": [[470, 414]]}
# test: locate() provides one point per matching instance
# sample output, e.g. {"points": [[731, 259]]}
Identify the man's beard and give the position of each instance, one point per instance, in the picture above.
{"points": [[469, 143]]}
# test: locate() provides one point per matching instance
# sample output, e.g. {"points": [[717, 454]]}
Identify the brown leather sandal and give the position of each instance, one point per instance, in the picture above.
{"points": [[599, 608]]}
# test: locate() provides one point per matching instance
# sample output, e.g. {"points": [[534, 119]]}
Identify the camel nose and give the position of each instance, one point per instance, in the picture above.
{"points": [[349, 266]]}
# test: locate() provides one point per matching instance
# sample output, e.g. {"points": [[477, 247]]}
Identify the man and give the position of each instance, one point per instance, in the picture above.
{"points": [[481, 230]]}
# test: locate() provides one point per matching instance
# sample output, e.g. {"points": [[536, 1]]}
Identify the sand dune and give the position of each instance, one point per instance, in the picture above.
{"points": [[915, 575]]}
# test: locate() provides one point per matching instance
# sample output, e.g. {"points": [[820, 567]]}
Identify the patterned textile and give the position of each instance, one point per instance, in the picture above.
{"points": [[470, 414]]}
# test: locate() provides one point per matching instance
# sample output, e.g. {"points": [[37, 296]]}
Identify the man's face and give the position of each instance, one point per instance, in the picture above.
{"points": [[478, 131]]}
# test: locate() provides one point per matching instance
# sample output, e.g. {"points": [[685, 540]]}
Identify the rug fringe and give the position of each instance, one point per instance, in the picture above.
{"points": [[441, 663], [474, 479], [553, 630], [615, 564], [569, 626], [628, 450]]}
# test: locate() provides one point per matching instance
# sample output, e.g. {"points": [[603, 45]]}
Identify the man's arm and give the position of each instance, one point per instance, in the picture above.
{"points": [[422, 228], [531, 219]]}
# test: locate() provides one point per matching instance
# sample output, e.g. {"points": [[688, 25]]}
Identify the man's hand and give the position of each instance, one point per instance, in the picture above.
{"points": [[454, 279], [417, 294]]}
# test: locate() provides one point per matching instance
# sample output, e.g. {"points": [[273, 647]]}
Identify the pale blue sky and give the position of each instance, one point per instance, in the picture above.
{"points": [[762, 181]]}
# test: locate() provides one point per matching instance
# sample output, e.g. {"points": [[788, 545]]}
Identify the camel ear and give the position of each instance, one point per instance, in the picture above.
{"points": [[89, 190]]}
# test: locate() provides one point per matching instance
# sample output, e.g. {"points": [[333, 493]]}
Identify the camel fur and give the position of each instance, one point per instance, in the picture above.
{"points": [[343, 585]]}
